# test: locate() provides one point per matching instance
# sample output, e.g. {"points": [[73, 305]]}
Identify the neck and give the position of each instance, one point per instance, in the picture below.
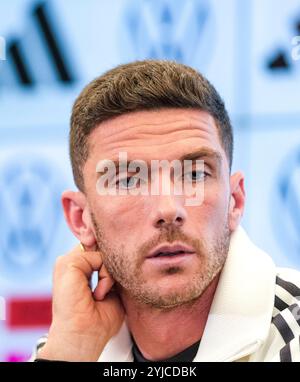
{"points": [[160, 334]]}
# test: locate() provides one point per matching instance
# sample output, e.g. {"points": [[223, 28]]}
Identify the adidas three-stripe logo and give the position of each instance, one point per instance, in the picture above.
{"points": [[287, 317]]}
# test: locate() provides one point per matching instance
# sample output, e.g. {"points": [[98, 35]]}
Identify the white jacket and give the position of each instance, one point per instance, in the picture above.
{"points": [[255, 314]]}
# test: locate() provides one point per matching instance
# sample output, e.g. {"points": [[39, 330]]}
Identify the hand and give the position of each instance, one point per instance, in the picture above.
{"points": [[83, 321]]}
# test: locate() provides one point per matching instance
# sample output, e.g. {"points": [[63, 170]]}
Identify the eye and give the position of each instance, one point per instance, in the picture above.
{"points": [[196, 175], [128, 182]]}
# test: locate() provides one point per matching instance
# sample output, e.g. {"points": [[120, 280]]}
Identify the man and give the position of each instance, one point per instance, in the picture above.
{"points": [[178, 281]]}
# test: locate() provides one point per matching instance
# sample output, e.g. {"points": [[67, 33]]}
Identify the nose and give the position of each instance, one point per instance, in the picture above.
{"points": [[169, 211]]}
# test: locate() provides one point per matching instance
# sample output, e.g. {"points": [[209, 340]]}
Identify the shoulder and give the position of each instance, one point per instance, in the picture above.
{"points": [[287, 289], [286, 313], [282, 342]]}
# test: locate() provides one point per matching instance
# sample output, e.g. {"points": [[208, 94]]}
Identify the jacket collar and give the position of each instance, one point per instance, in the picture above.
{"points": [[240, 315]]}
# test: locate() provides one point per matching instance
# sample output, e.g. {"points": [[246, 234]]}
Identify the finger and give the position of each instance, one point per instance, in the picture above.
{"points": [[87, 262], [105, 284]]}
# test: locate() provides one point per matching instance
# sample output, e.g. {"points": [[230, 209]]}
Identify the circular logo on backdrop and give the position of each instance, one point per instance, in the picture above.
{"points": [[286, 207], [168, 29], [30, 213]]}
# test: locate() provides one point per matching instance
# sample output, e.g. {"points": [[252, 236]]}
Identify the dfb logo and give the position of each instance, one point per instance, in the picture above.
{"points": [[286, 206], [30, 213]]}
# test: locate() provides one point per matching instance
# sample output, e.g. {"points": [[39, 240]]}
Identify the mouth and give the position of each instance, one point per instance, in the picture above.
{"points": [[171, 251]]}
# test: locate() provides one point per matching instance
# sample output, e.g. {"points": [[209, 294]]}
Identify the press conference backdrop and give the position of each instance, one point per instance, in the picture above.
{"points": [[50, 49]]}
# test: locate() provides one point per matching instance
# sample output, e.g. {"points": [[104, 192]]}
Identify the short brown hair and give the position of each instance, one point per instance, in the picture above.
{"points": [[142, 85]]}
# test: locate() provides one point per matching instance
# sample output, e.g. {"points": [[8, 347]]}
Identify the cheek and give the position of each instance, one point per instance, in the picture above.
{"points": [[120, 214], [214, 208]]}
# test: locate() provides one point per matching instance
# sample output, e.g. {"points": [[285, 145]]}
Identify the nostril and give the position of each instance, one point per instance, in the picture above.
{"points": [[160, 222]]}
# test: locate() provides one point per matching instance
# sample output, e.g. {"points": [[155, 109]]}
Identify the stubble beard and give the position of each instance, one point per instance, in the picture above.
{"points": [[125, 268]]}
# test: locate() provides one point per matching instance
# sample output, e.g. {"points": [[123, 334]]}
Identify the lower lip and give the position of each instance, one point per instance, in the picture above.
{"points": [[175, 259]]}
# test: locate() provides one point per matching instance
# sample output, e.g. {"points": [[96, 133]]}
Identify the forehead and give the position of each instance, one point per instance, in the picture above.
{"points": [[159, 134]]}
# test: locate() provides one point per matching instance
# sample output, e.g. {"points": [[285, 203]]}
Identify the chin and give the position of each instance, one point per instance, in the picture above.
{"points": [[172, 291], [172, 300]]}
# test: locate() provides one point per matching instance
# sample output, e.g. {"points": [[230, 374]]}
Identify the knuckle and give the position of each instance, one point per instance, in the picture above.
{"points": [[62, 263], [59, 261]]}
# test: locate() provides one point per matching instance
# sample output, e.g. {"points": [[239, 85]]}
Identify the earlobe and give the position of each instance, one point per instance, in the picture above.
{"points": [[77, 216]]}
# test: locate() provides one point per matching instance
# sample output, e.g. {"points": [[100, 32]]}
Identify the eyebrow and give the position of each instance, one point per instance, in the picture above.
{"points": [[204, 152]]}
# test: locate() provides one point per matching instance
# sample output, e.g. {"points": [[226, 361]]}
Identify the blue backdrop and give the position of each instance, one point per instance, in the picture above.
{"points": [[50, 49]]}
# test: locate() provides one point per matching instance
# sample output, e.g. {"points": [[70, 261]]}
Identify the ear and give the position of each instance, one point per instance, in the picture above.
{"points": [[78, 217], [237, 200]]}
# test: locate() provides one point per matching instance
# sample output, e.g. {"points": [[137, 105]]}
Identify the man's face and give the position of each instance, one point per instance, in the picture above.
{"points": [[129, 227]]}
